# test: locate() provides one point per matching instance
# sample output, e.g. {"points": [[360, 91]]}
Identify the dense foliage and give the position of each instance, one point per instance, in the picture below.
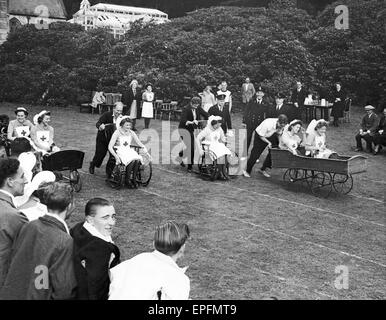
{"points": [[274, 46]]}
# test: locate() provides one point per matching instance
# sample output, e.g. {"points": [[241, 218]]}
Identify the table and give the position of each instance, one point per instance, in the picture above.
{"points": [[311, 111]]}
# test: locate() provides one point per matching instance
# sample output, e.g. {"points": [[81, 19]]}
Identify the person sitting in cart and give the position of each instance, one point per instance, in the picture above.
{"points": [[316, 140], [213, 136], [368, 129], [42, 134], [293, 138], [120, 148]]}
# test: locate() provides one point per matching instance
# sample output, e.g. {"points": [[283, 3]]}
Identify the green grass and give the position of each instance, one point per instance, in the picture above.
{"points": [[251, 238]]}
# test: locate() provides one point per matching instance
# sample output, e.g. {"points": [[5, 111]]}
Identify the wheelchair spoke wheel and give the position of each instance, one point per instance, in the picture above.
{"points": [[144, 174], [321, 184], [342, 183], [75, 180], [117, 179]]}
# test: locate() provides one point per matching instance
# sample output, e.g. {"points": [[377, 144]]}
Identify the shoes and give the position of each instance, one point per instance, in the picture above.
{"points": [[358, 149], [182, 164], [189, 168], [246, 174], [91, 169], [265, 173]]}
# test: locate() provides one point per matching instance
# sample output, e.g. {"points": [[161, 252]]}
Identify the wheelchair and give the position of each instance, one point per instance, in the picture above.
{"points": [[120, 177], [209, 166]]}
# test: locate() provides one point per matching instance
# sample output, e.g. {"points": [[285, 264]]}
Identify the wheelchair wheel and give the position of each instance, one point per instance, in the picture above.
{"points": [[213, 171], [75, 180], [117, 179], [145, 171]]}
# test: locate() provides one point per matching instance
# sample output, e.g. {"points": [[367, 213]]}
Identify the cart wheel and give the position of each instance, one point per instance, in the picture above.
{"points": [[75, 180], [291, 175], [145, 172], [117, 179], [321, 184], [342, 183]]}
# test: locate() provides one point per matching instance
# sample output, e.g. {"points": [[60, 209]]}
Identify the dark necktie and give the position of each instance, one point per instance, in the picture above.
{"points": [[134, 92]]}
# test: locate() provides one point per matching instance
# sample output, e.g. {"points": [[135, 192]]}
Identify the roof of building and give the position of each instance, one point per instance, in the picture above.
{"points": [[124, 9], [56, 8]]}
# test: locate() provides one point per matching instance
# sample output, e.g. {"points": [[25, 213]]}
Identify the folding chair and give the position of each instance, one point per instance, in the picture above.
{"points": [[157, 107]]}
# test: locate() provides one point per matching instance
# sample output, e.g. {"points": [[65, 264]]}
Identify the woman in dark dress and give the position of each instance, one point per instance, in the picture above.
{"points": [[338, 98]]}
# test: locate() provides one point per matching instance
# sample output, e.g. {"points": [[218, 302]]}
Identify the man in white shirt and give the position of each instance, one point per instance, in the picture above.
{"points": [[12, 182], [154, 275], [228, 95], [266, 135]]}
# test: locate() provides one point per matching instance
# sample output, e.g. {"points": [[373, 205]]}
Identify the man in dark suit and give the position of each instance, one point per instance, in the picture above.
{"points": [[12, 182], [103, 136], [189, 121], [221, 110], [94, 251], [298, 96], [254, 114], [368, 129], [42, 265], [282, 108], [132, 99], [380, 133]]}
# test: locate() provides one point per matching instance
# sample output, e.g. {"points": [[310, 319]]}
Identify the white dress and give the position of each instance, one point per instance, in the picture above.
{"points": [[213, 139], [124, 151], [147, 106], [320, 143]]}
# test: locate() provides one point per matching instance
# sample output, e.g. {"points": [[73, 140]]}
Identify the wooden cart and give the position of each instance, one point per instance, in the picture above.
{"points": [[320, 175]]}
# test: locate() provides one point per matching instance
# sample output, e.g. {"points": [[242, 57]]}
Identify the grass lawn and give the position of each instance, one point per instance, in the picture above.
{"points": [[251, 238]]}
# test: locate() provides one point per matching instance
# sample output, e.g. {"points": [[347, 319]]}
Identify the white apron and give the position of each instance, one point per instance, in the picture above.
{"points": [[320, 143], [147, 109], [133, 110], [22, 132], [217, 147], [43, 136], [125, 153]]}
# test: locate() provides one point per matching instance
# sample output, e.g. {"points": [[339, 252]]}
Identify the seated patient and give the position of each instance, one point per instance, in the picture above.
{"points": [[292, 138], [316, 140], [120, 148], [213, 135], [154, 275]]}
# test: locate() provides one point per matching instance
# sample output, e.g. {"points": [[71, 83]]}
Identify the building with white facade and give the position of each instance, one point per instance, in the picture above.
{"points": [[14, 13], [114, 17]]}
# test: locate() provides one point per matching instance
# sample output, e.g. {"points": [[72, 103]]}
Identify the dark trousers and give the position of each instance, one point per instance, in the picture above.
{"points": [[100, 150], [380, 139], [258, 148], [147, 123], [250, 132], [367, 138], [188, 139]]}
